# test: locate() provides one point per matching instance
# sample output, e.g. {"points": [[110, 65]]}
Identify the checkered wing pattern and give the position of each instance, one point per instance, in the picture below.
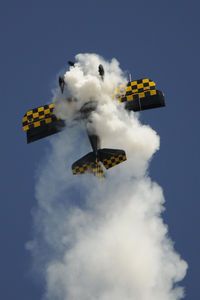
{"points": [[88, 164], [111, 157], [135, 90], [81, 169], [38, 117], [41, 122], [98, 171]]}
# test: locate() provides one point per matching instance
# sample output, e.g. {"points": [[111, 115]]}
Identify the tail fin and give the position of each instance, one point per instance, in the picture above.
{"points": [[111, 157], [88, 164]]}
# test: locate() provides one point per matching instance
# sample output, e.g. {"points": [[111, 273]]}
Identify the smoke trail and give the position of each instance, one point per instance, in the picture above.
{"points": [[94, 240]]}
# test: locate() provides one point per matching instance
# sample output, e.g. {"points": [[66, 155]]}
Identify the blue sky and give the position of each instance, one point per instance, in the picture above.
{"points": [[149, 38]]}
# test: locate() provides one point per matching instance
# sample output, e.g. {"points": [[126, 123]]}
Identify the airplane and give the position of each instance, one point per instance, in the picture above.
{"points": [[137, 95]]}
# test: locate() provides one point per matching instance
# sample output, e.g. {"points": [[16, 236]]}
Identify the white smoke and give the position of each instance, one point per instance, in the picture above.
{"points": [[95, 240]]}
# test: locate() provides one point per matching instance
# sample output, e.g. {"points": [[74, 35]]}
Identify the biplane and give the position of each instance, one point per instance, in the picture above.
{"points": [[137, 95]]}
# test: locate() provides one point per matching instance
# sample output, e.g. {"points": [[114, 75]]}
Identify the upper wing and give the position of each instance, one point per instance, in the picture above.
{"points": [[140, 95], [41, 122]]}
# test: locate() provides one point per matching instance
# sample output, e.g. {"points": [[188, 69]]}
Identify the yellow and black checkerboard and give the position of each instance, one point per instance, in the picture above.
{"points": [[113, 161], [135, 90], [39, 116], [93, 167]]}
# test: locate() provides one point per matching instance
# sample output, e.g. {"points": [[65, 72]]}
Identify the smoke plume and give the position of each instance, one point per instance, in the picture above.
{"points": [[102, 240]]}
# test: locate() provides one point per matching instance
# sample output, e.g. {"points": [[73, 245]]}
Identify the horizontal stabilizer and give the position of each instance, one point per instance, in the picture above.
{"points": [[88, 164], [111, 157]]}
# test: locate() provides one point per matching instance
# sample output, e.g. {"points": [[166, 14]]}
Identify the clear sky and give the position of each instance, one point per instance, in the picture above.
{"points": [[155, 39]]}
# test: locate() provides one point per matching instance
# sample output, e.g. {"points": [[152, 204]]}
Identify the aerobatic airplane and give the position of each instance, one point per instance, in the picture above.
{"points": [[137, 95]]}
